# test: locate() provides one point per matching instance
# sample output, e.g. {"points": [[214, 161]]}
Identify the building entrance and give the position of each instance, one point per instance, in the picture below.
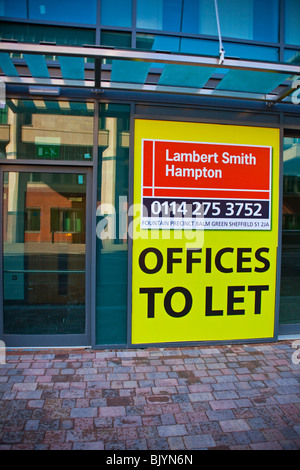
{"points": [[44, 256]]}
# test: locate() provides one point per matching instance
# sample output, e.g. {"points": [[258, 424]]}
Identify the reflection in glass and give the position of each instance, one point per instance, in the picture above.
{"points": [[291, 24], [46, 130], [117, 39], [116, 12], [13, 8], [44, 253], [159, 14], [67, 11], [112, 209], [151, 42], [290, 267], [44, 33], [246, 19]]}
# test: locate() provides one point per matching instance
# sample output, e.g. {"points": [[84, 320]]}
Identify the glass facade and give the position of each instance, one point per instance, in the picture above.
{"points": [[116, 12], [50, 34], [243, 20], [50, 10], [159, 14], [112, 210], [290, 267], [291, 22], [44, 239], [47, 130], [250, 29], [247, 19]]}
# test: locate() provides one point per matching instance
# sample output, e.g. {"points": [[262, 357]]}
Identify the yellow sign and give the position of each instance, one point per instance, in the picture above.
{"points": [[205, 232]]}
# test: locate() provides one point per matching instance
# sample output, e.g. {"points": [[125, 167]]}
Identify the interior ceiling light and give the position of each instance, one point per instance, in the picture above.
{"points": [[44, 90]]}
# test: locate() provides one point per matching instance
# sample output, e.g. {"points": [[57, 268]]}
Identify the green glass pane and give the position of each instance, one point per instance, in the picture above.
{"points": [[72, 68], [63, 11], [116, 12], [129, 71], [249, 81], [37, 65], [290, 258], [185, 76], [48, 130], [116, 39], [43, 256], [42, 33], [244, 19], [292, 14], [111, 244], [7, 66]]}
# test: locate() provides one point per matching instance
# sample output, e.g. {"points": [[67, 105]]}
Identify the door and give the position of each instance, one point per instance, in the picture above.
{"points": [[45, 260], [289, 316]]}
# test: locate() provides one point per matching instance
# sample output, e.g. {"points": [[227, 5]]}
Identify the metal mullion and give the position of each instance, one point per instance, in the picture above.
{"points": [[281, 29], [98, 23], [133, 24], [93, 225], [279, 242], [129, 223]]}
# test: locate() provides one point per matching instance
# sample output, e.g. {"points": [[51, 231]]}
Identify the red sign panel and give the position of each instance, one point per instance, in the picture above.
{"points": [[229, 181]]}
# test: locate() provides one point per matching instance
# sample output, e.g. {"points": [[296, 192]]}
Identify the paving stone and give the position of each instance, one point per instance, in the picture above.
{"points": [[84, 412], [232, 425], [199, 442], [204, 396], [230, 397], [172, 430], [176, 443], [266, 446], [222, 404]]}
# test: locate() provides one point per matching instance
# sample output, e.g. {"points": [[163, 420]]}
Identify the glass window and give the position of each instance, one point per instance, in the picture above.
{"points": [[247, 19], [70, 11], [292, 56], [252, 52], [47, 130], [291, 22], [290, 266], [199, 46], [13, 8], [116, 39], [36, 33], [116, 13], [112, 207], [44, 266], [150, 42], [32, 219], [66, 220], [159, 14], [232, 49]]}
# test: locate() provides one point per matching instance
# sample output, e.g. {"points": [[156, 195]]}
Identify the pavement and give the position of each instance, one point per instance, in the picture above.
{"points": [[187, 398]]}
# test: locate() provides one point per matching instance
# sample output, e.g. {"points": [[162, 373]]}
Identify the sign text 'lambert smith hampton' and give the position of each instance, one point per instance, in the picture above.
{"points": [[196, 185]]}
